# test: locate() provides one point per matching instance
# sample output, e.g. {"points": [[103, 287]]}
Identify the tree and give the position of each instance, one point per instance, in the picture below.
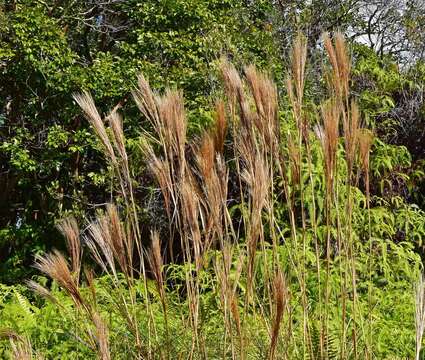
{"points": [[50, 49]]}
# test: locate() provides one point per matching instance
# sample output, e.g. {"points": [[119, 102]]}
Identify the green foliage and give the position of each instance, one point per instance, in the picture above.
{"points": [[339, 248], [50, 162], [52, 329], [377, 79]]}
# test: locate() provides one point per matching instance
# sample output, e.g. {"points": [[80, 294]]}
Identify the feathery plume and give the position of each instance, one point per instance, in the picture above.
{"points": [[280, 297], [162, 172], [298, 62], [155, 260], [101, 238], [351, 131], [344, 63], [333, 60], [234, 310], [147, 102], [115, 122], [340, 62], [205, 156], [220, 126], [174, 126], [89, 273], [235, 93], [86, 103], [121, 244], [264, 92], [190, 207], [232, 80], [20, 345], [102, 337], [41, 291], [69, 229], [328, 136], [214, 185], [257, 178], [365, 138], [56, 267]]}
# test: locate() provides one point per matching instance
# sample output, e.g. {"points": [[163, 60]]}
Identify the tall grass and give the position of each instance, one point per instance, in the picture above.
{"points": [[260, 255]]}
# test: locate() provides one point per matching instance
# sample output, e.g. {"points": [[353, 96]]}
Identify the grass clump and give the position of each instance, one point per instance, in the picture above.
{"points": [[274, 246]]}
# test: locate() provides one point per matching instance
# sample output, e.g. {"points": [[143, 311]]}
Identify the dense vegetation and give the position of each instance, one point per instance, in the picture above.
{"points": [[273, 210]]}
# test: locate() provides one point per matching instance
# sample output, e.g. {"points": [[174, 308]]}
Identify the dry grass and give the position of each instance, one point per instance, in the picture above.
{"points": [[69, 229], [280, 297], [21, 348], [271, 172]]}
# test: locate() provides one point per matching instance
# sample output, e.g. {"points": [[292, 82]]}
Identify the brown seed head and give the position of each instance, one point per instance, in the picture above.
{"points": [[351, 126], [56, 267], [220, 127], [86, 102], [69, 228], [298, 62], [280, 297], [365, 138]]}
